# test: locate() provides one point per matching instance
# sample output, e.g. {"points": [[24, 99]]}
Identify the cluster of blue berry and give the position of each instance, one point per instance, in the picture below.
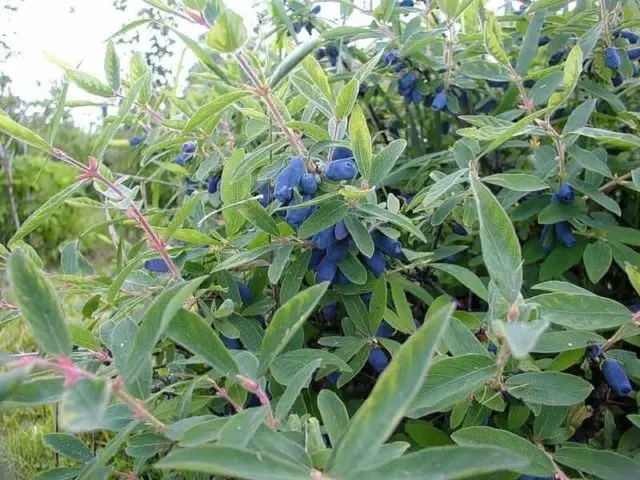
{"points": [[306, 23], [562, 229]]}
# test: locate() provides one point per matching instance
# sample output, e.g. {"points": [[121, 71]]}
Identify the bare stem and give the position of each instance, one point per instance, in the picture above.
{"points": [[265, 93], [615, 182]]}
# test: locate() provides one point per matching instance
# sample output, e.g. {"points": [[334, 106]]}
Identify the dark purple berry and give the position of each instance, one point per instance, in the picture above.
{"points": [[316, 9]]}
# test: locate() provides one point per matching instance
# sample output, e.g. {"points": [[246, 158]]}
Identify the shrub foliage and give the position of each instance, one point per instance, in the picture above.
{"points": [[403, 246]]}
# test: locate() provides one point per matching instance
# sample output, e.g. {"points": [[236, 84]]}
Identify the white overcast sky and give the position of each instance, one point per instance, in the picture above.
{"points": [[75, 31]]}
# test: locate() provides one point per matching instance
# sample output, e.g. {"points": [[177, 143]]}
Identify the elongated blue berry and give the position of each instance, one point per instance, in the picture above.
{"points": [[329, 310], [616, 377], [439, 102], [487, 106], [378, 360], [529, 83], [338, 250], [245, 292], [557, 57], [543, 40], [459, 229], [341, 170], [297, 27], [157, 265], [289, 179], [566, 194], [136, 140], [377, 263], [630, 36], [324, 238], [327, 270], [340, 231], [547, 239], [265, 191], [564, 233], [391, 57], [308, 184], [212, 184], [387, 245], [340, 153], [189, 147], [320, 54], [295, 217], [316, 256], [231, 343], [406, 83], [333, 378], [617, 79], [594, 351], [492, 347], [612, 58], [497, 84], [182, 158], [384, 330], [405, 3]]}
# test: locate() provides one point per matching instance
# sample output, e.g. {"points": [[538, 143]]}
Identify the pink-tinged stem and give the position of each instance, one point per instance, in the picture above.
{"points": [[254, 387], [72, 373], [223, 393]]}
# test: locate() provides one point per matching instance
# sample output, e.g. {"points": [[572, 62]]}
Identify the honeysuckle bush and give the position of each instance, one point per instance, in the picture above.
{"points": [[403, 247]]}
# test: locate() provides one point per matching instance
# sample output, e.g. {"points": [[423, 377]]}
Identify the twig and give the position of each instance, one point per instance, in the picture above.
{"points": [[615, 182], [254, 387], [223, 393]]}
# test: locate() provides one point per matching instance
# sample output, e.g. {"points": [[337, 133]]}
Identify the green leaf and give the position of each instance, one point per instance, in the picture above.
{"points": [[446, 463], [228, 33], [589, 161], [347, 99], [378, 303], [318, 77], [59, 112], [360, 235], [89, 83], [155, 321], [519, 182], [442, 186], [43, 213], [203, 55], [287, 320], [596, 195], [38, 305], [299, 381], [520, 336], [23, 134], [280, 260], [335, 417], [405, 314], [384, 161], [122, 337], [213, 108], [240, 428], [355, 272], [391, 396], [451, 380], [375, 212], [616, 139], [194, 333], [529, 45], [581, 312], [597, 260], [326, 215], [285, 366], [112, 67], [361, 142], [553, 342], [60, 473], [572, 71], [68, 446], [465, 277], [147, 445], [242, 258], [548, 388], [500, 245], [603, 464], [89, 472], [312, 130], [292, 60], [84, 404], [357, 312], [493, 40], [539, 464], [291, 283], [232, 193], [233, 462], [180, 216], [257, 215]]}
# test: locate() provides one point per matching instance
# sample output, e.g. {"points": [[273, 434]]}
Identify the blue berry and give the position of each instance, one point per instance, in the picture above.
{"points": [[384, 330], [546, 239], [617, 79], [189, 147], [594, 351], [231, 343], [265, 191], [391, 57], [320, 54], [405, 3], [333, 377], [316, 10], [182, 158], [566, 194], [288, 179], [630, 36], [377, 263], [308, 184], [316, 256], [136, 140], [157, 265], [492, 348], [341, 170], [497, 84], [327, 270], [615, 376], [190, 186], [341, 153], [557, 57], [543, 40], [295, 217], [564, 233], [488, 106], [439, 102], [329, 310], [340, 231], [529, 83], [213, 183], [336, 251], [612, 58], [323, 239], [378, 360], [245, 292], [366, 298], [407, 83], [387, 245], [297, 27], [459, 229]]}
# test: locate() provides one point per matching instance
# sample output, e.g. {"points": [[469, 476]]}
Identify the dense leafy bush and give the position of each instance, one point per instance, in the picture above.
{"points": [[398, 250]]}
